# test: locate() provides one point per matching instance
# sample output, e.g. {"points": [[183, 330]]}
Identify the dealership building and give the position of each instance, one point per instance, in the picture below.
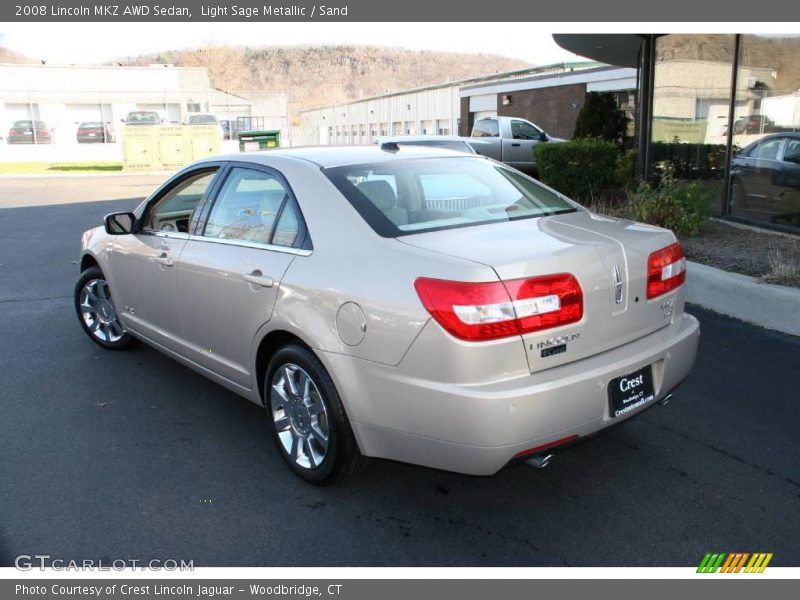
{"points": [[723, 109]]}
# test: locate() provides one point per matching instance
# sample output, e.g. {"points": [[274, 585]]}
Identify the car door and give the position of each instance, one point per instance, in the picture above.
{"points": [[524, 136], [762, 164], [786, 185], [230, 269], [143, 263]]}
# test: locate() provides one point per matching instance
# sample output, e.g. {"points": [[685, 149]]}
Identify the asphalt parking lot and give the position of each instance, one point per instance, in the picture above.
{"points": [[109, 455]]}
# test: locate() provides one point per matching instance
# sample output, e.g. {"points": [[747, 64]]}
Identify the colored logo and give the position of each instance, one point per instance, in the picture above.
{"points": [[737, 562]]}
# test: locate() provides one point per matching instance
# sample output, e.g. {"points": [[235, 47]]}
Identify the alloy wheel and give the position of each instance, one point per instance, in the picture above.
{"points": [[98, 312], [299, 416]]}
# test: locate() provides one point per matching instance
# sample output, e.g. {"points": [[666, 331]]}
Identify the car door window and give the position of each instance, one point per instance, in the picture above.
{"points": [[486, 128], [522, 130], [254, 206], [767, 150], [173, 211], [792, 153]]}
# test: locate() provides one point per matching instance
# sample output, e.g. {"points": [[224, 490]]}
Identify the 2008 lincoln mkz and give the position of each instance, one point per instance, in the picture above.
{"points": [[415, 304]]}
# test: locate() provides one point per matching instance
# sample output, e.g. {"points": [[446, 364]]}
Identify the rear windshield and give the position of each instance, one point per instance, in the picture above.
{"points": [[413, 196], [89, 125]]}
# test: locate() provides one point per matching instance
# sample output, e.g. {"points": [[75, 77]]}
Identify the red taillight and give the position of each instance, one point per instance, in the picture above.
{"points": [[666, 270], [497, 309]]}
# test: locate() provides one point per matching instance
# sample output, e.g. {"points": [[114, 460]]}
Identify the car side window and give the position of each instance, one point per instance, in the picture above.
{"points": [[254, 206], [767, 150], [173, 211], [288, 228], [486, 128], [792, 153], [521, 130]]}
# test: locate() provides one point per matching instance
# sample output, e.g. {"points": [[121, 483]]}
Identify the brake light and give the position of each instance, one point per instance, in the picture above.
{"points": [[666, 270], [498, 309]]}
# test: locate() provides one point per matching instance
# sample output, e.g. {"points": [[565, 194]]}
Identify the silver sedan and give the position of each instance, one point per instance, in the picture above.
{"points": [[416, 304]]}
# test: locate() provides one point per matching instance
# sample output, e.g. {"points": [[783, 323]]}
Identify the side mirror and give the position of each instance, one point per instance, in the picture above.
{"points": [[543, 136], [120, 223]]}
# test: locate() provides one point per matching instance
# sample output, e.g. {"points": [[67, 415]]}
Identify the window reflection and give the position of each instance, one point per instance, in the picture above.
{"points": [[765, 174]]}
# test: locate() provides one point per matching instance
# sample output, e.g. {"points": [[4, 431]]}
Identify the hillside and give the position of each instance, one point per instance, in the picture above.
{"points": [[778, 53], [320, 75]]}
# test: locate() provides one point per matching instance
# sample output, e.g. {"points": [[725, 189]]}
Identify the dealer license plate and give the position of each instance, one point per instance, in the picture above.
{"points": [[629, 392]]}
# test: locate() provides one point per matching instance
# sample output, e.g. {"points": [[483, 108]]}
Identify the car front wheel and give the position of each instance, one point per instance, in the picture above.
{"points": [[307, 419], [96, 311]]}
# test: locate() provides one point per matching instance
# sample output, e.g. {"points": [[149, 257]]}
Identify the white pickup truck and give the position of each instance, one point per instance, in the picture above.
{"points": [[506, 139]]}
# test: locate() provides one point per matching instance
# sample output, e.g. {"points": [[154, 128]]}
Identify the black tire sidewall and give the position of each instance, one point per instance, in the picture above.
{"points": [[339, 434], [95, 272]]}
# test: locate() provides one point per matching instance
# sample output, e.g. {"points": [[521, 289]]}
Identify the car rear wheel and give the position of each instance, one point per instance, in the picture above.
{"points": [[307, 419], [96, 311]]}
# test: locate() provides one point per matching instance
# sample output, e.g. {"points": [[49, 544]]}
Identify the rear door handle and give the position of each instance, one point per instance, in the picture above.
{"points": [[259, 279], [165, 260]]}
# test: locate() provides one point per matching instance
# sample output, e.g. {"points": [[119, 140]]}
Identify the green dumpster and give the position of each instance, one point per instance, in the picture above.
{"points": [[259, 140]]}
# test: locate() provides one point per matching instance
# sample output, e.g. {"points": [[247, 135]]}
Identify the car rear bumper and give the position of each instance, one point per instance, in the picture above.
{"points": [[479, 428]]}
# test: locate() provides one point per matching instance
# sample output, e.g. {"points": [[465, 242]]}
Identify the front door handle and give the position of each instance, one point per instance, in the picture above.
{"points": [[165, 260], [259, 279], [516, 145]]}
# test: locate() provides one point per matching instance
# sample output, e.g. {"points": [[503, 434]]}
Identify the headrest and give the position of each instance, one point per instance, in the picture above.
{"points": [[380, 192]]}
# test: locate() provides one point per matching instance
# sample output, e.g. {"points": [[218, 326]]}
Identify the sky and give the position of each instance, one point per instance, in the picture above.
{"points": [[79, 43]]}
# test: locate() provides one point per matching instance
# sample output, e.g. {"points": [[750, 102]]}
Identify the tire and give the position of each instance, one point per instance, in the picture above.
{"points": [[300, 417], [98, 317]]}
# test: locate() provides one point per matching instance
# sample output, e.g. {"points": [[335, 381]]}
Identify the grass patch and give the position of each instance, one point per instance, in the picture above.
{"points": [[784, 267], [67, 167]]}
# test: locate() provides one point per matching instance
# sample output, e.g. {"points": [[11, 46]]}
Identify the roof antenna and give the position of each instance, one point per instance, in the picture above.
{"points": [[390, 147]]}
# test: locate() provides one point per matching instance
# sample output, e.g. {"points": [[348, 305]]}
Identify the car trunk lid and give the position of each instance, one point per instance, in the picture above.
{"points": [[607, 256]]}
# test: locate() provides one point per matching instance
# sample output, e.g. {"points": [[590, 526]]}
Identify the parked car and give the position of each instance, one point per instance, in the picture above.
{"points": [[752, 124], [206, 120], [509, 140], [27, 131], [94, 132], [409, 303], [143, 117], [450, 142], [765, 179]]}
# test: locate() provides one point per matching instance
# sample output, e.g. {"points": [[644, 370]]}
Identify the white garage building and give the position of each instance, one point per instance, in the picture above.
{"points": [[64, 96]]}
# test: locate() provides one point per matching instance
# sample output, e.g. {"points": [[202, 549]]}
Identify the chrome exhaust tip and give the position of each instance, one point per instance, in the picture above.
{"points": [[539, 462], [665, 400]]}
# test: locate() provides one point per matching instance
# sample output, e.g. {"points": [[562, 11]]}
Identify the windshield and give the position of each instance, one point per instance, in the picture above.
{"points": [[143, 117], [413, 196], [39, 124]]}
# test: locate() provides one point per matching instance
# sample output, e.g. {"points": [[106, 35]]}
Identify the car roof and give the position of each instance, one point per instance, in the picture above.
{"points": [[339, 156], [772, 136]]}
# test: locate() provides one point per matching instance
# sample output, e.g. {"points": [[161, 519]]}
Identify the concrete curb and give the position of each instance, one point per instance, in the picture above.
{"points": [[746, 298]]}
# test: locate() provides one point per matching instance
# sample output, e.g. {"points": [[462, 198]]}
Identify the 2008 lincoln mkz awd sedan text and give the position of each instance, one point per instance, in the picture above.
{"points": [[409, 303]]}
